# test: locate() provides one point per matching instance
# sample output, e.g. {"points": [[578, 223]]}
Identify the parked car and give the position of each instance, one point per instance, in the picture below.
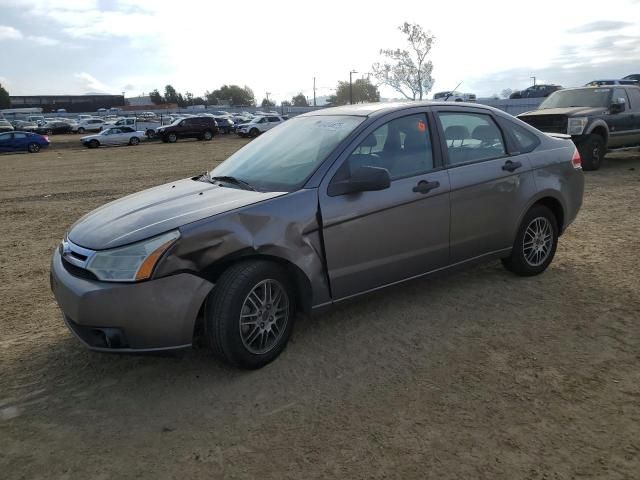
{"points": [[114, 136], [5, 126], [39, 119], [536, 91], [601, 83], [225, 124], [145, 124], [88, 125], [455, 97], [23, 125], [597, 118], [52, 128], [258, 125], [202, 128], [22, 142], [331, 205]]}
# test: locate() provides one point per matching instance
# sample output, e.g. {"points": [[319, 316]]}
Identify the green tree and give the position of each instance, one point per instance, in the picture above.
{"points": [[233, 95], [363, 92], [5, 102], [408, 71], [266, 103], [156, 98], [170, 94], [300, 100]]}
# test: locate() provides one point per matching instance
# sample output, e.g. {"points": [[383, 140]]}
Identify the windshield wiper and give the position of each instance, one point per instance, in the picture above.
{"points": [[230, 179]]}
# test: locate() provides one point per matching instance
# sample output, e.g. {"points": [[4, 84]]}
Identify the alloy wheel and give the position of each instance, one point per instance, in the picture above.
{"points": [[537, 242], [264, 316]]}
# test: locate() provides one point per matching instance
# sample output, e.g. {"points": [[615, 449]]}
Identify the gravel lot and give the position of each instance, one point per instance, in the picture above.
{"points": [[476, 375]]}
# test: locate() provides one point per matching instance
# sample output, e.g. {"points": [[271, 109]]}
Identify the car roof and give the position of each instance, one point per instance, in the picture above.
{"points": [[380, 108]]}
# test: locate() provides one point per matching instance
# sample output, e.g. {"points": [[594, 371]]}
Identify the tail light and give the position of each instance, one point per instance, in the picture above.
{"points": [[46, 137], [576, 161]]}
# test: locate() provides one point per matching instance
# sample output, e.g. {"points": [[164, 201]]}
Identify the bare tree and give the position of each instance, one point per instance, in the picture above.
{"points": [[408, 71], [506, 93]]}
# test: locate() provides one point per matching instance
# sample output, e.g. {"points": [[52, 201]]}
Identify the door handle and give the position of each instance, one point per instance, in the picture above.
{"points": [[425, 187], [510, 166]]}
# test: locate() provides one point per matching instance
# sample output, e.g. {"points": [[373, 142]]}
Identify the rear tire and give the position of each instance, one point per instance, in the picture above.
{"points": [[592, 152], [535, 244], [33, 148], [207, 135], [241, 328]]}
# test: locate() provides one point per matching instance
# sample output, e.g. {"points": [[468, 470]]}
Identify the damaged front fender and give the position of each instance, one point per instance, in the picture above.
{"points": [[284, 228]]}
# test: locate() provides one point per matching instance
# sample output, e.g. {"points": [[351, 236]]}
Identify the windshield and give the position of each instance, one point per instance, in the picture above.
{"points": [[284, 157], [584, 97]]}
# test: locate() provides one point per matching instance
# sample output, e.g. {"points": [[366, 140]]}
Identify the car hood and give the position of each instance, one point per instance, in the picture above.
{"points": [[90, 137], [567, 111], [157, 210]]}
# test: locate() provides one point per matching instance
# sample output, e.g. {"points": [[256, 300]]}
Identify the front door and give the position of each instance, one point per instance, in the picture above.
{"points": [[373, 239], [489, 187], [621, 124]]}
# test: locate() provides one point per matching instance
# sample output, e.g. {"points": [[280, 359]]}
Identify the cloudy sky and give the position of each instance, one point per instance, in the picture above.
{"points": [[80, 46]]}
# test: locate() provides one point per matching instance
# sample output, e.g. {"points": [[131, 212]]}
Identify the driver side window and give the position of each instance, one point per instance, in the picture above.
{"points": [[402, 146]]}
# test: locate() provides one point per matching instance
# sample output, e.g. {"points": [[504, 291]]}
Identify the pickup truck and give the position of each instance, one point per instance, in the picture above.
{"points": [[599, 119]]}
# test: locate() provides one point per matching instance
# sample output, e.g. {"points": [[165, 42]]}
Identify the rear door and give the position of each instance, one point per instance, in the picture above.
{"points": [[490, 182], [621, 124], [373, 239], [634, 101]]}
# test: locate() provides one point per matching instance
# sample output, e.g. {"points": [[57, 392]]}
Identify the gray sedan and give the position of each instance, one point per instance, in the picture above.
{"points": [[328, 206]]}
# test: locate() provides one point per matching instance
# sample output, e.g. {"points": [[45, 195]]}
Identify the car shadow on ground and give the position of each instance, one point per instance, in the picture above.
{"points": [[407, 318]]}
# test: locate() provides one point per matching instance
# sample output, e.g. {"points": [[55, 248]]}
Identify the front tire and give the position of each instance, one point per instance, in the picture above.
{"points": [[134, 141], [249, 315], [94, 144], [535, 244], [172, 138], [592, 152], [81, 130], [207, 135], [254, 132]]}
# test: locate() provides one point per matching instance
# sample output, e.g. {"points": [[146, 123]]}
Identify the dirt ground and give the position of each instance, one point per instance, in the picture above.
{"points": [[475, 375]]}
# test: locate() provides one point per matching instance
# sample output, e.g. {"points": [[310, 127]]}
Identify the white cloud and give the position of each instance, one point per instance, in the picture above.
{"points": [[43, 41], [89, 83], [9, 33]]}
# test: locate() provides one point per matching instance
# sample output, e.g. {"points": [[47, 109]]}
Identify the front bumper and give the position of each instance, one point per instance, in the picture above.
{"points": [[153, 315]]}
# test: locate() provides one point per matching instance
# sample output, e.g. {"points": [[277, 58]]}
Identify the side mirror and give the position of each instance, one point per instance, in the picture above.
{"points": [[618, 105], [364, 179]]}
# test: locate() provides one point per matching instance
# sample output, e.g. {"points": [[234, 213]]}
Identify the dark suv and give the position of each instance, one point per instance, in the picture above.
{"points": [[597, 118], [536, 91], [202, 128]]}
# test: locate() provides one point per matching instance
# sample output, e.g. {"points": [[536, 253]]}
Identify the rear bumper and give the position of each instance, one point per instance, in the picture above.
{"points": [[154, 315]]}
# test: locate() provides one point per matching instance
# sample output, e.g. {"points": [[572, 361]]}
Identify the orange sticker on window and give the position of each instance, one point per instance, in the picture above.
{"points": [[422, 126]]}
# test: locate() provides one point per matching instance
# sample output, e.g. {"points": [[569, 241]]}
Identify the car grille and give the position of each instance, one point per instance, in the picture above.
{"points": [[547, 123], [77, 271]]}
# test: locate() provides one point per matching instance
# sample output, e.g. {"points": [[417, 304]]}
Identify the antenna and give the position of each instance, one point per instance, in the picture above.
{"points": [[451, 93]]}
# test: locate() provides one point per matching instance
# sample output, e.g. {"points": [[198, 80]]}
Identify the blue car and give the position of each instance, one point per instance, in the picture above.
{"points": [[22, 142]]}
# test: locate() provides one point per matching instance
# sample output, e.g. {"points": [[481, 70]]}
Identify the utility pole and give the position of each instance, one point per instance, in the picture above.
{"points": [[314, 91], [534, 80], [267, 94], [351, 86]]}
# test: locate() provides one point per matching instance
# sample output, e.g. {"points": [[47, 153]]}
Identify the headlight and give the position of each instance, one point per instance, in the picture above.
{"points": [[577, 125], [131, 263]]}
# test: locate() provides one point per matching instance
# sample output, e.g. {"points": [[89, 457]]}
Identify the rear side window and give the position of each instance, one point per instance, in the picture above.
{"points": [[19, 135], [471, 137], [525, 140], [274, 119], [634, 98]]}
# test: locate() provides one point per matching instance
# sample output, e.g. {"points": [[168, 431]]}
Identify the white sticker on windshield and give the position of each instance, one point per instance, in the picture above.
{"points": [[601, 90], [330, 125]]}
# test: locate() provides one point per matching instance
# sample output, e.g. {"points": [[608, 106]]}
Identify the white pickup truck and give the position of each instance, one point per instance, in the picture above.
{"points": [[147, 126]]}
